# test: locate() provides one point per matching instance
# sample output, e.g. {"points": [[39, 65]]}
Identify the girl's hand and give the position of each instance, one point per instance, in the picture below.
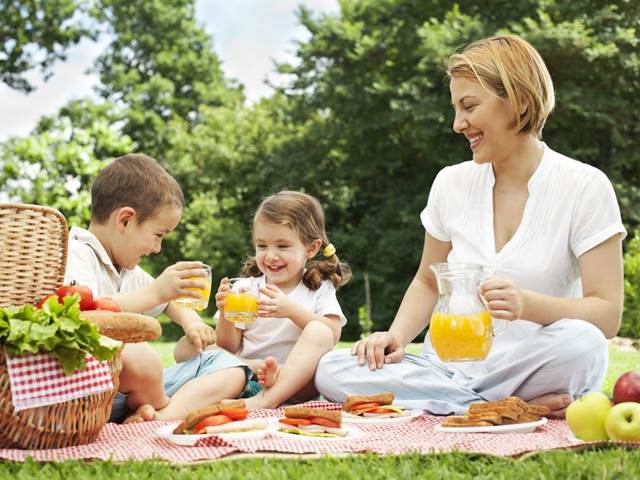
{"points": [[377, 349], [277, 303], [504, 299], [223, 291]]}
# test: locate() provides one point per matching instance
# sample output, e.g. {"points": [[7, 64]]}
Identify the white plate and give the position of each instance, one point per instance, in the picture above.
{"points": [[166, 432], [515, 428], [352, 432], [410, 415]]}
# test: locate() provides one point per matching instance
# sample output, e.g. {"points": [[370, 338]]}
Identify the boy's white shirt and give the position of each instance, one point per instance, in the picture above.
{"points": [[277, 336], [88, 263]]}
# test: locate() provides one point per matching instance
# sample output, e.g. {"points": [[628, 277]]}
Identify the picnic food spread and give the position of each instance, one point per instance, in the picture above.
{"points": [[225, 412], [312, 422], [508, 411], [375, 406]]}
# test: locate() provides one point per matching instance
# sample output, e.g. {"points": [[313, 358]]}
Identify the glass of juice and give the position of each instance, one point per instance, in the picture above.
{"points": [[200, 303], [241, 303]]}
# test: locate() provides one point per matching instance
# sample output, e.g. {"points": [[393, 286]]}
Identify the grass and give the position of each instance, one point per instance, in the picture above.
{"points": [[593, 463]]}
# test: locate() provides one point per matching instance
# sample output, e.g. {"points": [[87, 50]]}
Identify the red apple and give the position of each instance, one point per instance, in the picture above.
{"points": [[627, 388]]}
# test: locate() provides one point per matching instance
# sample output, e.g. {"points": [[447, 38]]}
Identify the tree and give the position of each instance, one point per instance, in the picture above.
{"points": [[160, 65], [36, 34], [374, 113], [56, 164]]}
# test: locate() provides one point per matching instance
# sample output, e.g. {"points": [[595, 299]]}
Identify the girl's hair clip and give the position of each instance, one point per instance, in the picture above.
{"points": [[329, 251]]}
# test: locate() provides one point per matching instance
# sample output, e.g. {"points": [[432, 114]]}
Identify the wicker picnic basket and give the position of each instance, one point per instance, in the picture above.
{"points": [[33, 257]]}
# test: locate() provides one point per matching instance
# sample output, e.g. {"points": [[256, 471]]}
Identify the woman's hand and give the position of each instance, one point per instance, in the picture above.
{"points": [[276, 304], [377, 349], [504, 299]]}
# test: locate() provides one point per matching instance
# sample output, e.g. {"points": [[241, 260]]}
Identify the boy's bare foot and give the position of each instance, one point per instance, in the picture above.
{"points": [[557, 403], [144, 413], [268, 372]]}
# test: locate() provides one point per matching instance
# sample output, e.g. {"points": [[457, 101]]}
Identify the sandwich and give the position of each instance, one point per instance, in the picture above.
{"points": [[312, 422], [376, 406], [220, 417]]}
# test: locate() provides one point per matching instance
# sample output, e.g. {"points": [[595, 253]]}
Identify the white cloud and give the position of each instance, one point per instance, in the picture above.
{"points": [[248, 36]]}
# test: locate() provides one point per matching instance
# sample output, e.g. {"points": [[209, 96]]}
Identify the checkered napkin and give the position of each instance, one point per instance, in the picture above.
{"points": [[38, 380]]}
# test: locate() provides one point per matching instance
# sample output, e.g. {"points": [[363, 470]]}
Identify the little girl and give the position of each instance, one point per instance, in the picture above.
{"points": [[300, 318]]}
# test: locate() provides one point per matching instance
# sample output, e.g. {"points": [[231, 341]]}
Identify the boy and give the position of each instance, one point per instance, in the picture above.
{"points": [[134, 204]]}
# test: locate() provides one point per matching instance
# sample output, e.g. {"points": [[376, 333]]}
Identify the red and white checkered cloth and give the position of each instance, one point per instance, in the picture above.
{"points": [[140, 441], [38, 380]]}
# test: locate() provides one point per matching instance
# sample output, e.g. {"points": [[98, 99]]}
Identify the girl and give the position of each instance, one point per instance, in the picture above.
{"points": [[300, 318]]}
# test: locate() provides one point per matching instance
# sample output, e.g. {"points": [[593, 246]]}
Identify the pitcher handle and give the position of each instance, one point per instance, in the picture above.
{"points": [[498, 326]]}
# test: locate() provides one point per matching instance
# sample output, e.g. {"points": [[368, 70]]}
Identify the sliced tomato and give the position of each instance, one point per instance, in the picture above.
{"points": [[296, 422], [364, 406], [211, 421], [236, 413], [325, 422]]}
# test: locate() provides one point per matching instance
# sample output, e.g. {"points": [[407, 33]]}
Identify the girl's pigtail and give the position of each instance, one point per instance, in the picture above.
{"points": [[328, 268]]}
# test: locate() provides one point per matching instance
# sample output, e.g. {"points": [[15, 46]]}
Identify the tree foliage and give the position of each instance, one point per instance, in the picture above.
{"points": [[35, 34]]}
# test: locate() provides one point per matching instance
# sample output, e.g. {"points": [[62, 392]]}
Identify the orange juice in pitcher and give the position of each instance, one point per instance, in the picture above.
{"points": [[461, 337], [461, 328]]}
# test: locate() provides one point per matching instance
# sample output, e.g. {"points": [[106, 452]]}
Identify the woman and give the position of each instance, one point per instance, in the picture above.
{"points": [[550, 227]]}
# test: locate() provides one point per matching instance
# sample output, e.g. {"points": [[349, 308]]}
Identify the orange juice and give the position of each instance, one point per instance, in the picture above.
{"points": [[460, 338], [241, 307], [197, 303]]}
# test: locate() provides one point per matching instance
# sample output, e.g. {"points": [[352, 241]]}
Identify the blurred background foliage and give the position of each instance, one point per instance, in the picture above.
{"points": [[363, 122]]}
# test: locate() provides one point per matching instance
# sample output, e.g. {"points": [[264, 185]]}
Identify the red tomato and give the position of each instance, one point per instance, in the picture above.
{"points": [[86, 297], [105, 303], [44, 299], [211, 421], [325, 422], [296, 422], [236, 413], [365, 406]]}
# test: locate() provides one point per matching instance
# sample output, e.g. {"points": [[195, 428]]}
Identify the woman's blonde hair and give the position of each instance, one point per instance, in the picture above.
{"points": [[302, 213], [510, 68]]}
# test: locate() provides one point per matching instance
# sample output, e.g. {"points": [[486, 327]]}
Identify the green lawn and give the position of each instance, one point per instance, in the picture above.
{"points": [[606, 462]]}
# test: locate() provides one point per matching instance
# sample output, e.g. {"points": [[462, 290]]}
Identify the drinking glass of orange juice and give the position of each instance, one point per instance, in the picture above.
{"points": [[461, 327], [200, 303], [241, 303]]}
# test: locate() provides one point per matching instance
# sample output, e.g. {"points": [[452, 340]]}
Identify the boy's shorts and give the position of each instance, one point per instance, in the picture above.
{"points": [[176, 376]]}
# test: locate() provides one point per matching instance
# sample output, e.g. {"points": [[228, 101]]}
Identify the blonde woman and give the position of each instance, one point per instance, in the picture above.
{"points": [[550, 227]]}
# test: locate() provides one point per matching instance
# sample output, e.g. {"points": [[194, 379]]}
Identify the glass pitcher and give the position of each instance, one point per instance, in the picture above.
{"points": [[461, 327]]}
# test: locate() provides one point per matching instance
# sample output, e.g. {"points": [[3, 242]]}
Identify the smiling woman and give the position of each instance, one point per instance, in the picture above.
{"points": [[547, 225]]}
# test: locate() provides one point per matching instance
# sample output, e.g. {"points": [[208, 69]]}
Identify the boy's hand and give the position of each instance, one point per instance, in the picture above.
{"points": [[176, 280], [200, 335], [223, 291], [277, 303]]}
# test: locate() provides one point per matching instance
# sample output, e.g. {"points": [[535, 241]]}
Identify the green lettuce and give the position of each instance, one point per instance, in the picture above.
{"points": [[55, 328]]}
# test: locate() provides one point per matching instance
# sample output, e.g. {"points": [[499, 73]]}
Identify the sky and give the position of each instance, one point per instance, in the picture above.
{"points": [[248, 36]]}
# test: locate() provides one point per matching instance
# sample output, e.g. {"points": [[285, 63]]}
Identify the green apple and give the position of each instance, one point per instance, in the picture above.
{"points": [[586, 416], [623, 422]]}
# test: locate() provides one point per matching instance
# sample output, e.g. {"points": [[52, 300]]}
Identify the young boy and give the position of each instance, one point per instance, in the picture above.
{"points": [[134, 204]]}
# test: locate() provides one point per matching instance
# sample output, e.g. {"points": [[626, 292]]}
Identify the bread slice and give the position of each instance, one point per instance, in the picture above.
{"points": [[303, 412], [196, 416], [351, 401]]}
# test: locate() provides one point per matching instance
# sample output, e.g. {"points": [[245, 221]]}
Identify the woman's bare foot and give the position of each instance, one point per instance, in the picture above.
{"points": [[557, 403], [144, 413], [268, 372]]}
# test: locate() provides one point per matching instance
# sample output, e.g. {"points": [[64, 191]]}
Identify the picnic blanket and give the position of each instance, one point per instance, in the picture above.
{"points": [[141, 442]]}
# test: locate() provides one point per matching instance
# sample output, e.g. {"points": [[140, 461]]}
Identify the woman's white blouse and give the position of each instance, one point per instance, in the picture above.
{"points": [[571, 208]]}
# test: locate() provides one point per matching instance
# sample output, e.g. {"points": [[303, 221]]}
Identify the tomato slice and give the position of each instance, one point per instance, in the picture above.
{"points": [[211, 421], [325, 422], [236, 413], [365, 406], [296, 422]]}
